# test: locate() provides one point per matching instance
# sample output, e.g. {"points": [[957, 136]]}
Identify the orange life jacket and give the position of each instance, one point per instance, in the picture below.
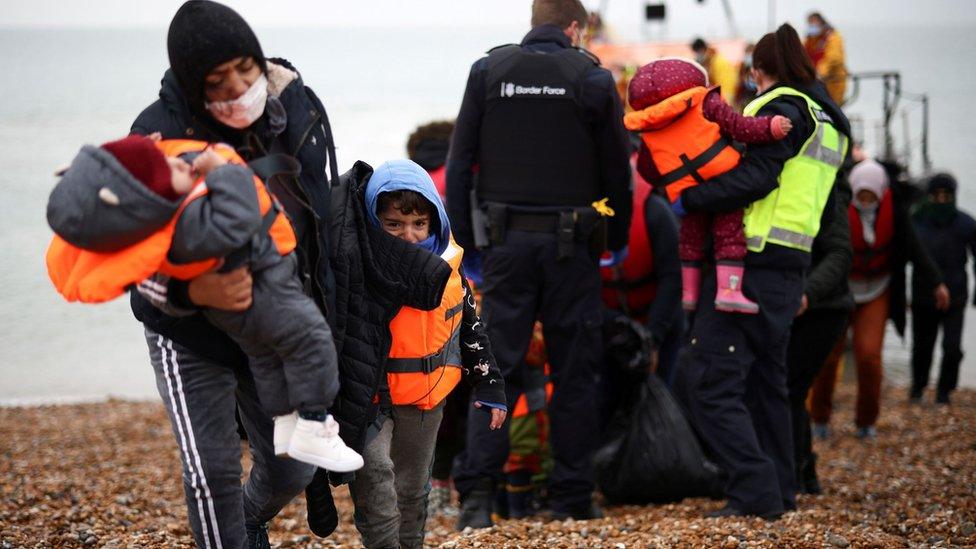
{"points": [[686, 147], [93, 277], [424, 364], [631, 287]]}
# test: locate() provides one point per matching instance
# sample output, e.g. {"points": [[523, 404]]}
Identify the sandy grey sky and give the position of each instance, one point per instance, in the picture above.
{"points": [[686, 16]]}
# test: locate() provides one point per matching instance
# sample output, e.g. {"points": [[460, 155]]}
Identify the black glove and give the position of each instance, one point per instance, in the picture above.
{"points": [[323, 518]]}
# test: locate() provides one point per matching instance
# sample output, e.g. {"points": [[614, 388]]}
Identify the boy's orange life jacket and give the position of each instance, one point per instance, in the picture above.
{"points": [[686, 147], [93, 277], [424, 364]]}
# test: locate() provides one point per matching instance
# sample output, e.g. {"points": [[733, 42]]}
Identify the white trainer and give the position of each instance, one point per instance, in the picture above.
{"points": [[318, 443], [284, 426]]}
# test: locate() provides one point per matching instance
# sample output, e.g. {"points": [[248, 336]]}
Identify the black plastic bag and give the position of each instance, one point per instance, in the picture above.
{"points": [[651, 454]]}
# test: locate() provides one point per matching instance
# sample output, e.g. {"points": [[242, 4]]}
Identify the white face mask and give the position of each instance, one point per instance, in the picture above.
{"points": [[243, 111]]}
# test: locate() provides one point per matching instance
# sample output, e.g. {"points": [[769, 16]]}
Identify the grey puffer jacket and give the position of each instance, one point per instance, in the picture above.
{"points": [[99, 206]]}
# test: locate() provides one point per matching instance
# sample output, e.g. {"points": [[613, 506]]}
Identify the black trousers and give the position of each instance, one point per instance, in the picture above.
{"points": [[813, 337], [524, 281], [732, 380], [925, 329]]}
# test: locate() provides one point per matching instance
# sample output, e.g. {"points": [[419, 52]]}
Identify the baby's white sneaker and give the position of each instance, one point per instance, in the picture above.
{"points": [[284, 427], [318, 443]]}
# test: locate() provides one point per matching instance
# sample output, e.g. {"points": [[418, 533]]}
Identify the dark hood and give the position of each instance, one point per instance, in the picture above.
{"points": [[204, 127]]}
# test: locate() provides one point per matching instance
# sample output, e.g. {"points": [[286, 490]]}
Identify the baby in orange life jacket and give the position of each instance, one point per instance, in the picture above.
{"points": [[430, 352], [687, 132], [132, 207]]}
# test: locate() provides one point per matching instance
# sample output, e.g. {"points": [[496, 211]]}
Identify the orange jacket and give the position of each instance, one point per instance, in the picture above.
{"points": [[424, 364], [686, 148], [95, 277]]}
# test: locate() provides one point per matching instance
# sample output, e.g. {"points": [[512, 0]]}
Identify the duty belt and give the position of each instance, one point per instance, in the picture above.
{"points": [[570, 225]]}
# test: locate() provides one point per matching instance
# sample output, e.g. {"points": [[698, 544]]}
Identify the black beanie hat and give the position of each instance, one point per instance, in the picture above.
{"points": [[202, 35], [942, 182]]}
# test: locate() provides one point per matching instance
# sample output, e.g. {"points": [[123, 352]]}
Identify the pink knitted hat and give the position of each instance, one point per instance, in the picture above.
{"points": [[658, 80]]}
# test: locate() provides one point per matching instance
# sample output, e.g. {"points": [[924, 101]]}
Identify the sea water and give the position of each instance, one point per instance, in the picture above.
{"points": [[60, 89]]}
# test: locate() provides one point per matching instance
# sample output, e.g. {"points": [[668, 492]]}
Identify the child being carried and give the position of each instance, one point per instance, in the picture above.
{"points": [[687, 132], [138, 206]]}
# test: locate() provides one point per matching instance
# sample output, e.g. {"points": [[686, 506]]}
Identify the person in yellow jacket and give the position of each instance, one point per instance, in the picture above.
{"points": [[430, 351], [825, 46], [721, 71]]}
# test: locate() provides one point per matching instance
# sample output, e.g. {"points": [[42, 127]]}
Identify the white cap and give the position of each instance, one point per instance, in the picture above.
{"points": [[869, 175]]}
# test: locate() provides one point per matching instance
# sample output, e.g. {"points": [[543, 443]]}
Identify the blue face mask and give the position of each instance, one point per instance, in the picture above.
{"points": [[814, 29], [750, 84], [429, 244]]}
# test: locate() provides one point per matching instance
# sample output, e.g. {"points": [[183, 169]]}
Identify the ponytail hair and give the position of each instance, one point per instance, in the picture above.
{"points": [[781, 55]]}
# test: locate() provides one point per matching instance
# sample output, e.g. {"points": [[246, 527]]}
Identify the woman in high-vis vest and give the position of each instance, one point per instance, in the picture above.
{"points": [[429, 353], [733, 371]]}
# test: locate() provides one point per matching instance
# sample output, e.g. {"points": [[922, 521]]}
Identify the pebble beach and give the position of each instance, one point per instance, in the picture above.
{"points": [[108, 475]]}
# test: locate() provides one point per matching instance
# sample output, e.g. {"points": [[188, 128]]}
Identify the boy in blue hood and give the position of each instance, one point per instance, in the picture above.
{"points": [[429, 353]]}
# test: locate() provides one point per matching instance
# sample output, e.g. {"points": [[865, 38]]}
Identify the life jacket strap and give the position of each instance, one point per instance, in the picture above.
{"points": [[241, 255], [271, 165], [690, 166], [448, 355], [424, 365]]}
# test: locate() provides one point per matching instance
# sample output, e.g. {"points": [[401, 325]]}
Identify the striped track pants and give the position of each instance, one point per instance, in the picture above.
{"points": [[201, 398]]}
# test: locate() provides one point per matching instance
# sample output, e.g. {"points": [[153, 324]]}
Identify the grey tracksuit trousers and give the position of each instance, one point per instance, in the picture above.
{"points": [[390, 491], [201, 398], [288, 343]]}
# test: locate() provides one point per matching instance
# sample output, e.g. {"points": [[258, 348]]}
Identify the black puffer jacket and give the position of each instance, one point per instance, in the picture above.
{"points": [[376, 274], [306, 136], [906, 247], [831, 257]]}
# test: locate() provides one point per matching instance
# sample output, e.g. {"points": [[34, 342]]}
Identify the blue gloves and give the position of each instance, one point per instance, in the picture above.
{"points": [[678, 208], [493, 405], [616, 257]]}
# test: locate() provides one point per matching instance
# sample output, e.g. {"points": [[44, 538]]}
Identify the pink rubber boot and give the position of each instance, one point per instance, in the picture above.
{"points": [[690, 286], [729, 297]]}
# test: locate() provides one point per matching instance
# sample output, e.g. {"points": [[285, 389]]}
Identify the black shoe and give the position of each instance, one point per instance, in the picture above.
{"points": [[519, 496], [915, 395], [257, 536], [476, 507], [809, 483], [942, 398], [323, 518], [590, 513]]}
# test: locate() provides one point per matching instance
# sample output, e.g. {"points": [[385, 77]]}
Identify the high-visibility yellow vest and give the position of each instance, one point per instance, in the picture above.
{"points": [[790, 215]]}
